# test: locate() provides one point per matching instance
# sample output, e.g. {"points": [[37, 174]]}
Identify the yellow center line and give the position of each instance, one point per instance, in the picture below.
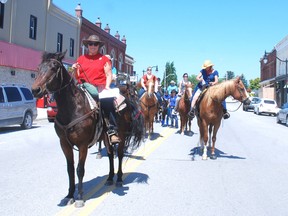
{"points": [[130, 165]]}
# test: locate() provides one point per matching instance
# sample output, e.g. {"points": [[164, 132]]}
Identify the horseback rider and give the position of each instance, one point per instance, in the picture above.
{"points": [[96, 69], [207, 77], [181, 89], [144, 79]]}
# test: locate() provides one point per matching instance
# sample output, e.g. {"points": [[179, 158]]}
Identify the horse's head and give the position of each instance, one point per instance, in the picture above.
{"points": [[50, 75], [188, 90], [150, 88], [240, 92]]}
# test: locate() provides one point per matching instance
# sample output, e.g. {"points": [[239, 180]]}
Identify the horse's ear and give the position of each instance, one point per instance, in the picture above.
{"points": [[60, 56], [237, 79]]}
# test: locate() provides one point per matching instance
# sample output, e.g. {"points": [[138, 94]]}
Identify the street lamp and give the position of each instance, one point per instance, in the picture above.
{"points": [[265, 60], [166, 78]]}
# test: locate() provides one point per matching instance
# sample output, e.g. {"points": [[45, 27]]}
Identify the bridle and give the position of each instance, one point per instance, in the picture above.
{"points": [[59, 70]]}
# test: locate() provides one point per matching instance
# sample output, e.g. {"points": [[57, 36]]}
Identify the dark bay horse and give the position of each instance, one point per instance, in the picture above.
{"points": [[209, 111], [184, 105], [79, 126], [149, 106]]}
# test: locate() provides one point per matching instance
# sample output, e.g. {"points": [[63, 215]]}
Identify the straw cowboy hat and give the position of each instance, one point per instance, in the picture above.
{"points": [[93, 38], [207, 63], [172, 82]]}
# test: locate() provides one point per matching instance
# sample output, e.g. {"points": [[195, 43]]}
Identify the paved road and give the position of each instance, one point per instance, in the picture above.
{"points": [[248, 178]]}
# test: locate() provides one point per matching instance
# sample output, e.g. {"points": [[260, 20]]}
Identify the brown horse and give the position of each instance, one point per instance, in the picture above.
{"points": [[184, 105], [149, 106], [209, 111], [79, 126]]}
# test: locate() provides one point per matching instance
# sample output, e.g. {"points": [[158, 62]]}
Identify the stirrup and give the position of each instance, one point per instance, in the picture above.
{"points": [[191, 113], [113, 137]]}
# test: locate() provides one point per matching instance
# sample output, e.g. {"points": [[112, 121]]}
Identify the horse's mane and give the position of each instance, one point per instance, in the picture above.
{"points": [[217, 90]]}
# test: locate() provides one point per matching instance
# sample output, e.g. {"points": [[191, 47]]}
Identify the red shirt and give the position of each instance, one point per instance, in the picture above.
{"points": [[145, 78], [92, 69]]}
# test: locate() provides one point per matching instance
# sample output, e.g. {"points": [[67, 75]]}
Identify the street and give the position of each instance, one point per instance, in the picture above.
{"points": [[163, 177]]}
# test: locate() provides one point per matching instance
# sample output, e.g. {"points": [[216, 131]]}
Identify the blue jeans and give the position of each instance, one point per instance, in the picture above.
{"points": [[158, 95]]}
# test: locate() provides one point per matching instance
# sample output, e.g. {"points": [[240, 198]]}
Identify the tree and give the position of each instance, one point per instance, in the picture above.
{"points": [[229, 75], [169, 74], [243, 79], [254, 84]]}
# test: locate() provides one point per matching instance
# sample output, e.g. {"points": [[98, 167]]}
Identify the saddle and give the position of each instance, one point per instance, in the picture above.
{"points": [[197, 105], [93, 96]]}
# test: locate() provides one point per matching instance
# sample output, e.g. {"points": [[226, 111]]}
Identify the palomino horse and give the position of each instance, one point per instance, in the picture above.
{"points": [[184, 108], [149, 106], [210, 110], [79, 126]]}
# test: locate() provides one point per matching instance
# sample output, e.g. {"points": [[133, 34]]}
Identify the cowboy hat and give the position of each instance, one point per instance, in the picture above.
{"points": [[93, 38], [207, 63], [172, 81]]}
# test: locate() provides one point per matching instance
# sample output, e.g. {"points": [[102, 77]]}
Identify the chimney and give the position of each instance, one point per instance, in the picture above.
{"points": [[107, 29], [123, 39], [78, 11], [117, 35], [98, 22]]}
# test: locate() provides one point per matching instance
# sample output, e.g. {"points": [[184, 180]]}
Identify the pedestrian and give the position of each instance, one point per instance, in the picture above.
{"points": [[208, 76], [95, 68], [172, 103], [172, 86]]}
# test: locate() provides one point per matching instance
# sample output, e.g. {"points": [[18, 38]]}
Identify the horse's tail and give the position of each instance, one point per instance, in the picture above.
{"points": [[137, 127]]}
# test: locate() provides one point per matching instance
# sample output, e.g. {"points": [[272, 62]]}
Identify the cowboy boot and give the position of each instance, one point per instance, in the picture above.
{"points": [[226, 115]]}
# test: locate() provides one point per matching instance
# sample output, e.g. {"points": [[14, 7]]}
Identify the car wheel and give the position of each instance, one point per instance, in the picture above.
{"points": [[277, 119], [28, 121], [50, 120], [257, 112]]}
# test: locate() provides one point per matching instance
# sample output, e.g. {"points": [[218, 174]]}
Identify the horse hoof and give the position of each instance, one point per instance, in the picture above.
{"points": [[204, 158], [213, 157], [79, 203], [66, 201], [98, 156], [109, 182], [119, 184]]}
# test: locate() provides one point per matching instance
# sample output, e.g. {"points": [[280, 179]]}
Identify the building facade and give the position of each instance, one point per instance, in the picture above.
{"points": [[274, 76], [27, 29]]}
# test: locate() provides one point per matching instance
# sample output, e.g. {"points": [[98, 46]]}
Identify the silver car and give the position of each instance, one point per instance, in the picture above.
{"points": [[282, 116], [17, 106]]}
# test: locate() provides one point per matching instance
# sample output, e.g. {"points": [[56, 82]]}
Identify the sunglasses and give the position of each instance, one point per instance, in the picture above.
{"points": [[149, 69], [93, 44]]}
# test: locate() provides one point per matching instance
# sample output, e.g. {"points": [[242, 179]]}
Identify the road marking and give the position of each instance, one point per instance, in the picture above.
{"points": [[130, 165]]}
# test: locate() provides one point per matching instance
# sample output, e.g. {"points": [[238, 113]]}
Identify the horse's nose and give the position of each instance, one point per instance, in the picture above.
{"points": [[246, 101], [36, 91]]}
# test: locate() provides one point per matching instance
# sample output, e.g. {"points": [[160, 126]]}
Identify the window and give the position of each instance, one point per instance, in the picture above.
{"points": [[33, 27], [59, 42], [1, 15], [71, 51], [27, 93], [12, 94], [1, 95]]}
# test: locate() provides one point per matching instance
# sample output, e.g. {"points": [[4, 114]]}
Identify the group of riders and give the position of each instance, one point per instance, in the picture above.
{"points": [[208, 76], [96, 69]]}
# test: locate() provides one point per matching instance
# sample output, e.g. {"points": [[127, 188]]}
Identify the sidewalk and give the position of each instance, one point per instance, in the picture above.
{"points": [[42, 114]]}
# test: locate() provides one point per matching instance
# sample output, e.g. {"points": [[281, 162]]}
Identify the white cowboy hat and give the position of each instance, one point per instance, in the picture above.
{"points": [[206, 64], [172, 81]]}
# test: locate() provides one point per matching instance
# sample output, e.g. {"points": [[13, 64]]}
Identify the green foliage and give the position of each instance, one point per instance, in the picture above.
{"points": [[169, 74], [242, 77], [193, 80], [229, 75], [254, 84]]}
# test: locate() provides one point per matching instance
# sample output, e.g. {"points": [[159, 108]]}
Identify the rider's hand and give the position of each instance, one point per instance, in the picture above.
{"points": [[75, 65]]}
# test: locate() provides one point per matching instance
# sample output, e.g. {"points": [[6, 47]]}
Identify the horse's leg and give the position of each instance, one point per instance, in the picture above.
{"points": [[215, 130], [119, 182], [110, 152], [182, 125], [80, 173], [68, 152], [205, 139], [99, 154]]}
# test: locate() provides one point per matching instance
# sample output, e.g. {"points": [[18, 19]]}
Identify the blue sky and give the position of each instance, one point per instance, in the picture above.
{"points": [[232, 34]]}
